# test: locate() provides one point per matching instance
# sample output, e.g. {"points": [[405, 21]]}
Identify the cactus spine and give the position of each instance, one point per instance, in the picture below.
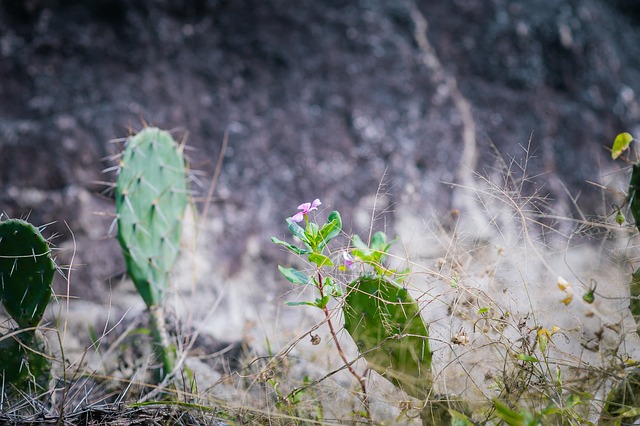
{"points": [[384, 321], [151, 197], [26, 273]]}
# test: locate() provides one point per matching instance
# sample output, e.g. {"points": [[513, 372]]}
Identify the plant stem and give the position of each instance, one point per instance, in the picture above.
{"points": [[161, 345], [359, 378]]}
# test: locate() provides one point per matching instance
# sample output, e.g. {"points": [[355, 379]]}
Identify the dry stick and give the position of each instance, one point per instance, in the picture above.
{"points": [[363, 386], [216, 175]]}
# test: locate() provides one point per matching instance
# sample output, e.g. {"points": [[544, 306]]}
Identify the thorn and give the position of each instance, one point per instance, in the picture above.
{"points": [[147, 183], [13, 268], [402, 307], [118, 140], [112, 168], [166, 240], [126, 199], [108, 184], [113, 225], [157, 208], [142, 229], [26, 290]]}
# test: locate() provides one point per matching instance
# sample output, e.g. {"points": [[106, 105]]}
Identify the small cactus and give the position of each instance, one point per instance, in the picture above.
{"points": [[151, 197], [24, 362], [26, 273], [384, 322]]}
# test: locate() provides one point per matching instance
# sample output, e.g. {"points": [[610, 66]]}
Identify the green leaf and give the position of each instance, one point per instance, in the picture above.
{"points": [[300, 303], [358, 243], [621, 144], [290, 247], [297, 230], [332, 228], [510, 417], [294, 275], [527, 358], [459, 419], [321, 303], [483, 311], [378, 241], [320, 259]]}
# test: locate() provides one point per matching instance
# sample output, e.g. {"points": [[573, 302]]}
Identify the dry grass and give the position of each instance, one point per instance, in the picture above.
{"points": [[486, 281]]}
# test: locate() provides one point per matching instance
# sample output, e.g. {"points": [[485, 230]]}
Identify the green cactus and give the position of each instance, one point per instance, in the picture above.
{"points": [[151, 197], [632, 195], [24, 362], [634, 302], [384, 322], [26, 273]]}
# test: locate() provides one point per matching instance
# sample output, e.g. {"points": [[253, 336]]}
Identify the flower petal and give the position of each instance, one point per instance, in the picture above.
{"points": [[348, 260], [298, 217], [304, 207]]}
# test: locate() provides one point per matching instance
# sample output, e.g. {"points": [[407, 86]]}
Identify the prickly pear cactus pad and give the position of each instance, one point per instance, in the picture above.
{"points": [[26, 271], [632, 194], [384, 322], [23, 364], [151, 197]]}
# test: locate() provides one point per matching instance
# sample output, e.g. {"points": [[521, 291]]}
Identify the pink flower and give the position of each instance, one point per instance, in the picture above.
{"points": [[348, 260], [305, 209]]}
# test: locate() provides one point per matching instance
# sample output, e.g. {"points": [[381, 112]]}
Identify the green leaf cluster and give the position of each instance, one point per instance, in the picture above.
{"points": [[523, 417], [375, 254], [314, 240]]}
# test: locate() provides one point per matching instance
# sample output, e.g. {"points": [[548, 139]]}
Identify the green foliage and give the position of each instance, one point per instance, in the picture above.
{"points": [[151, 197], [26, 272], [621, 144], [315, 240], [551, 414], [623, 402], [446, 410], [384, 322]]}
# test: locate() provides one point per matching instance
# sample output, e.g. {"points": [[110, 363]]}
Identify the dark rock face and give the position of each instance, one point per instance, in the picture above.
{"points": [[320, 99]]}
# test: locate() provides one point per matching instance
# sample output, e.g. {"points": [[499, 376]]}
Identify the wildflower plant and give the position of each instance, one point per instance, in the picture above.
{"points": [[380, 315]]}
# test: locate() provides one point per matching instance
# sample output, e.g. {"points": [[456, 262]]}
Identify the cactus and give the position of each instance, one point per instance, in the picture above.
{"points": [[634, 302], [632, 195], [384, 321], [24, 363], [26, 273], [151, 197]]}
